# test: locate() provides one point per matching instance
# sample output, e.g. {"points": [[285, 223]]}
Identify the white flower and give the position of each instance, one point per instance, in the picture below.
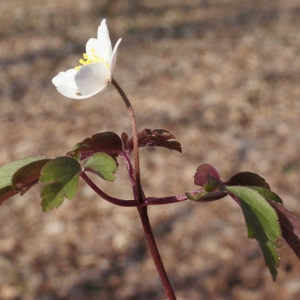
{"points": [[96, 68]]}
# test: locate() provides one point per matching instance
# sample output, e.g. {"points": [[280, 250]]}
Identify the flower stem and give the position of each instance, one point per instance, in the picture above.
{"points": [[140, 198], [140, 194], [155, 254]]}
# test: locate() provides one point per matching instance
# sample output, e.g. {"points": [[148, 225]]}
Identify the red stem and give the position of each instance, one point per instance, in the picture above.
{"points": [[139, 191], [119, 202], [165, 200], [155, 254], [132, 203], [140, 197]]}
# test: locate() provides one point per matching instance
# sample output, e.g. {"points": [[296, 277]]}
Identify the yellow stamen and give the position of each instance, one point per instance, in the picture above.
{"points": [[94, 59]]}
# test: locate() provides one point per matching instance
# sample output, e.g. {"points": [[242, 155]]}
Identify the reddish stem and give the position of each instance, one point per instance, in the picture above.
{"points": [[132, 203], [140, 197], [165, 200], [155, 254], [140, 194], [119, 202]]}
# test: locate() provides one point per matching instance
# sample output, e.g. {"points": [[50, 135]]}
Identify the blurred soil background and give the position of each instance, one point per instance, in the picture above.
{"points": [[222, 76]]}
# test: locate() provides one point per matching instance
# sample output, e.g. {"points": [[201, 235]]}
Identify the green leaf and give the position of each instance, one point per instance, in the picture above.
{"points": [[63, 175], [6, 174], [262, 223], [267, 194], [103, 165]]}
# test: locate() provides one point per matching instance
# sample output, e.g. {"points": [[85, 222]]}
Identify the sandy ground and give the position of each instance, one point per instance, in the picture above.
{"points": [[222, 76]]}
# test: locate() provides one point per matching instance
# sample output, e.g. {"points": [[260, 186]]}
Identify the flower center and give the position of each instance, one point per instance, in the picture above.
{"points": [[89, 60]]}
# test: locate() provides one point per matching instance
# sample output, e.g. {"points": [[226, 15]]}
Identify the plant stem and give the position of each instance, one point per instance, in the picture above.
{"points": [[155, 254], [164, 200], [140, 194], [132, 203], [119, 202], [140, 198]]}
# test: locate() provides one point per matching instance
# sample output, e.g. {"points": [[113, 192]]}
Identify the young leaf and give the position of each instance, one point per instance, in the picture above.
{"points": [[6, 174], [206, 196], [103, 165], [63, 175], [246, 179], [107, 142], [124, 138], [156, 137], [290, 226], [75, 153], [262, 223], [201, 178], [213, 184]]}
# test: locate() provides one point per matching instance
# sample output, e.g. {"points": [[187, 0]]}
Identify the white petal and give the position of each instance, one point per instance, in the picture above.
{"points": [[67, 91], [92, 44], [65, 84], [114, 57], [92, 78], [104, 41], [66, 78]]}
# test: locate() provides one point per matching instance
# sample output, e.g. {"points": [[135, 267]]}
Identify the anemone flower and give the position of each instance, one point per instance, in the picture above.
{"points": [[95, 70]]}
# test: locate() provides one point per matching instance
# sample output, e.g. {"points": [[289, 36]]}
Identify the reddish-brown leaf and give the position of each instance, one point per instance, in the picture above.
{"points": [[27, 176], [247, 179], [107, 142], [201, 178], [290, 226], [156, 137]]}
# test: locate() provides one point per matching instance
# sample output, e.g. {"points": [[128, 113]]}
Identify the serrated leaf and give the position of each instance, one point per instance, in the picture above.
{"points": [[156, 137], [290, 226], [6, 174], [271, 257], [63, 175], [262, 223], [267, 194], [107, 142], [201, 178], [103, 165], [247, 179]]}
